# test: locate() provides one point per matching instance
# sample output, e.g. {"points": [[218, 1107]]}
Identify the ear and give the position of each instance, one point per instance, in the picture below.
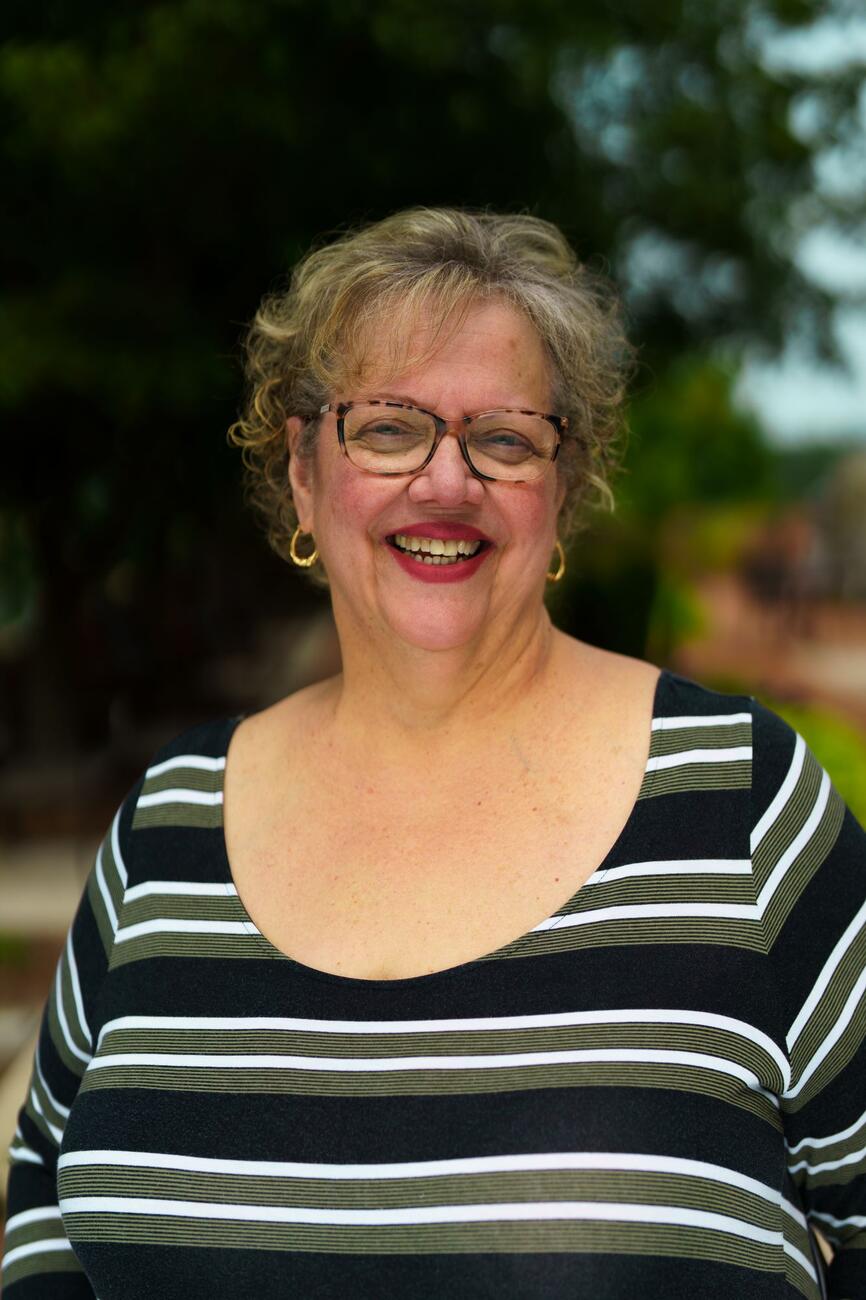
{"points": [[300, 474]]}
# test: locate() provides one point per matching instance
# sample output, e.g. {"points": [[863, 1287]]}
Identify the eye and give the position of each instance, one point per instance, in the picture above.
{"points": [[504, 444], [386, 431]]}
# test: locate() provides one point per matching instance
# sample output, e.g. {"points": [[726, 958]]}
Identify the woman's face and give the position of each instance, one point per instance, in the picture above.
{"points": [[493, 360]]}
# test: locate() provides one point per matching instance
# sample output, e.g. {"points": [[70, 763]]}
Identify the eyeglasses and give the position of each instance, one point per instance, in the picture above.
{"points": [[382, 437]]}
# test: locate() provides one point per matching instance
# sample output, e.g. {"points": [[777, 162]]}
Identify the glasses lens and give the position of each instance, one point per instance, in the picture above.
{"points": [[387, 438], [511, 445]]}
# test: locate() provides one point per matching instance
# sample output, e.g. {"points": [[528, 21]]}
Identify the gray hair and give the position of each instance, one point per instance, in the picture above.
{"points": [[312, 337]]}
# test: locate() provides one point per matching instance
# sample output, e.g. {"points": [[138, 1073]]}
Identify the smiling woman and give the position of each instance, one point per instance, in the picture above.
{"points": [[497, 963]]}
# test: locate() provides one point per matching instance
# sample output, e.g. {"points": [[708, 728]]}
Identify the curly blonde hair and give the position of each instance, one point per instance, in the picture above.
{"points": [[310, 339]]}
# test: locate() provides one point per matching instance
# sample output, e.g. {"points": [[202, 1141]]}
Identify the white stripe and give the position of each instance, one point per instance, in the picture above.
{"points": [[200, 762], [24, 1154], [56, 1105], [38, 1214], [826, 1165], [539, 1210], [105, 892], [677, 867], [732, 755], [515, 1163], [828, 970], [682, 1216], [35, 1248], [553, 1020], [854, 1221], [700, 720], [61, 1016], [382, 1065], [116, 850], [840, 1136], [164, 925], [76, 991], [636, 911], [833, 1036], [56, 1133], [795, 848], [194, 888], [209, 797], [795, 1213], [782, 795]]}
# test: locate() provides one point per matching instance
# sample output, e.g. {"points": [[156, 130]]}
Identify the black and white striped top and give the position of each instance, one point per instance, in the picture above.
{"points": [[650, 1094]]}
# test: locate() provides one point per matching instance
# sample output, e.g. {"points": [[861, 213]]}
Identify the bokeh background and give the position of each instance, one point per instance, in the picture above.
{"points": [[165, 163]]}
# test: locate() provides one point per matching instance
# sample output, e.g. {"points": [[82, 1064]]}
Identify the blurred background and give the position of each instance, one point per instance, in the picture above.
{"points": [[166, 163]]}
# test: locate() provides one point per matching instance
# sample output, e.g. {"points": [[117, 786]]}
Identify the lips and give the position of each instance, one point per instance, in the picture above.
{"points": [[445, 531]]}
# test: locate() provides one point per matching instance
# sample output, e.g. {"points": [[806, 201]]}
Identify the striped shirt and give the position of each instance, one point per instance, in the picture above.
{"points": [[653, 1093]]}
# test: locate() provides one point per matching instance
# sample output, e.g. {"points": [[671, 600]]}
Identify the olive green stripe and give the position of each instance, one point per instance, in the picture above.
{"points": [[804, 868], [842, 1054], [400, 1083], [690, 776], [730, 932], [39, 1264], [682, 887], [50, 1111], [73, 1063], [685, 887], [733, 775], [36, 1092], [169, 944], [826, 1015], [496, 1236], [94, 896], [40, 1230], [200, 816], [710, 930], [789, 821], [525, 1187], [186, 907], [239, 1042], [678, 740], [201, 779], [834, 1151]]}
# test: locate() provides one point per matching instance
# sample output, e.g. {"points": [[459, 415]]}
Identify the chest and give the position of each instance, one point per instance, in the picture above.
{"points": [[387, 876]]}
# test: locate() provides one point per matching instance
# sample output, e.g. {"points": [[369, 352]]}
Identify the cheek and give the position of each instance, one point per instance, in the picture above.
{"points": [[535, 511], [349, 503]]}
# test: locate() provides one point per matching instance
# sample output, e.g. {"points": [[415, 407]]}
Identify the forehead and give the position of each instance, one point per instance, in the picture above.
{"points": [[487, 349]]}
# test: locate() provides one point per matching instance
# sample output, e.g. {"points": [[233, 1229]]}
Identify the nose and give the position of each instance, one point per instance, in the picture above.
{"points": [[447, 479]]}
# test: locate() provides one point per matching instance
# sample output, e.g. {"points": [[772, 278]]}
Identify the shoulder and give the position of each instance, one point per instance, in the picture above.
{"points": [[181, 787], [784, 770]]}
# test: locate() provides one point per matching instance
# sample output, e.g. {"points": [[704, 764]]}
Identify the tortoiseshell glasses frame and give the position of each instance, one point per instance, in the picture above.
{"points": [[461, 427]]}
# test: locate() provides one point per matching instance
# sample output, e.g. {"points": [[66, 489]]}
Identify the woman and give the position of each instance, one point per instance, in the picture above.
{"points": [[498, 964]]}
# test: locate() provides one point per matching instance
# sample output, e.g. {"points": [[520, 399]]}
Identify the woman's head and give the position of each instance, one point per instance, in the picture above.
{"points": [[389, 296]]}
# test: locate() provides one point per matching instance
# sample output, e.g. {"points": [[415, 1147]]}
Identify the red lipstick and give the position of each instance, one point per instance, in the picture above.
{"points": [[445, 531], [460, 570]]}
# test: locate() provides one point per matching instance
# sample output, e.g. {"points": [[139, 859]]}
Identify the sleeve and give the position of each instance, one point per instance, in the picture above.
{"points": [[38, 1260], [809, 860]]}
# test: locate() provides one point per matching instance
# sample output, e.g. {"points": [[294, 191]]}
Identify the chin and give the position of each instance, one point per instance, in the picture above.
{"points": [[435, 628]]}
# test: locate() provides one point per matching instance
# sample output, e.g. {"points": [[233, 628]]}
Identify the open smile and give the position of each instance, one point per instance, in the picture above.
{"points": [[440, 559], [437, 550]]}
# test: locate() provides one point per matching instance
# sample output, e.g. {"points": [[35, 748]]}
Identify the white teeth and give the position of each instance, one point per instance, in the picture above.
{"points": [[431, 547]]}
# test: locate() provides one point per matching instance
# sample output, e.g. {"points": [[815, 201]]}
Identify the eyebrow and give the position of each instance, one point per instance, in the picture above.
{"points": [[393, 397]]}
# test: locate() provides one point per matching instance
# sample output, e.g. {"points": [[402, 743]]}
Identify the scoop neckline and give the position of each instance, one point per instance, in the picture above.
{"points": [[273, 953]]}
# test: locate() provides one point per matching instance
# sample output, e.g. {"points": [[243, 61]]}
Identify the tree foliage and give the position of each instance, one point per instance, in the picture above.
{"points": [[164, 163]]}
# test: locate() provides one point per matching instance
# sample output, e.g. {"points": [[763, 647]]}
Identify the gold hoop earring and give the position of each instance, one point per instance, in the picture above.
{"points": [[302, 561], [554, 577]]}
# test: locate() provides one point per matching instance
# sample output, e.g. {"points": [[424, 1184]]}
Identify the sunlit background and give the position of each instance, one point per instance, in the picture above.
{"points": [[164, 164]]}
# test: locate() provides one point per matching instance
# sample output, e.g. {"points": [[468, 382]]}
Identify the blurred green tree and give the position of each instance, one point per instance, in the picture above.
{"points": [[164, 163]]}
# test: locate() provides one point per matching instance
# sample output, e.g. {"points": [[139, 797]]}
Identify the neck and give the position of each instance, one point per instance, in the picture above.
{"points": [[418, 702]]}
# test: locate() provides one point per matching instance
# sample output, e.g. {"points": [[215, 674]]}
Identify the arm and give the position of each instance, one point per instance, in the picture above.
{"points": [[38, 1261], [809, 859]]}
